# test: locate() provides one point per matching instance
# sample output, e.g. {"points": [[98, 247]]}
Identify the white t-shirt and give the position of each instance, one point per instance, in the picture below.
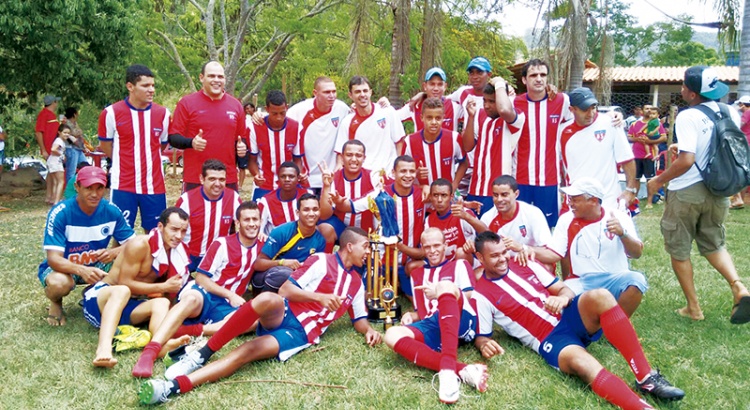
{"points": [[694, 131], [2, 142], [379, 131], [527, 227]]}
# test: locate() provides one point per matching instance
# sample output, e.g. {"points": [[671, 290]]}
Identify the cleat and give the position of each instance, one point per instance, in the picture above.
{"points": [[124, 330], [126, 341], [154, 391], [656, 385], [448, 391], [177, 354], [475, 375], [187, 364]]}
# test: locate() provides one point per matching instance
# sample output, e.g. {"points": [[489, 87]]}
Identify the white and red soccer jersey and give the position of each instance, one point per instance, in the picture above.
{"points": [[515, 302], [410, 217], [592, 248], [528, 226], [496, 141], [536, 158], [222, 121], [456, 231], [439, 156], [325, 273], [208, 219], [317, 135], [274, 211], [172, 262], [379, 131], [229, 263], [452, 112], [595, 150], [355, 189], [458, 272], [136, 137], [273, 147]]}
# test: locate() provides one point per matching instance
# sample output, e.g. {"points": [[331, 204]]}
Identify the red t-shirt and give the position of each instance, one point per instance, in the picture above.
{"points": [[47, 123]]}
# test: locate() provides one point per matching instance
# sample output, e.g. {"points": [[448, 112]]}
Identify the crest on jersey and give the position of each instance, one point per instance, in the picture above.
{"points": [[522, 228], [610, 235], [157, 132], [447, 161], [335, 121], [554, 118], [105, 230], [381, 123], [599, 134], [232, 115]]}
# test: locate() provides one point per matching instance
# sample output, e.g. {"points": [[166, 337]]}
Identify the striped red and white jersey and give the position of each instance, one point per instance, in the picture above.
{"points": [[452, 114], [274, 211], [325, 273], [496, 141], [229, 263], [410, 212], [136, 137], [209, 219], [273, 147], [355, 189], [439, 156], [456, 271], [456, 231]]}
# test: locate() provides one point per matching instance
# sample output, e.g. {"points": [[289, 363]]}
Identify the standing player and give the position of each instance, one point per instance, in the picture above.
{"points": [[45, 132], [242, 162], [280, 205], [211, 207], [494, 131], [209, 124], [479, 71], [313, 298], [378, 128], [132, 133], [76, 237], [533, 306], [434, 86], [319, 118], [537, 158], [456, 223], [220, 282], [272, 142]]}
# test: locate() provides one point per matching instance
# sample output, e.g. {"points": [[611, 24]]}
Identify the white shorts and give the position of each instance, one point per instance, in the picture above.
{"points": [[54, 164]]}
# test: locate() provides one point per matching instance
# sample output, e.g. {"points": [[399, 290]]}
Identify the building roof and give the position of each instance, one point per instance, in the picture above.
{"points": [[726, 74]]}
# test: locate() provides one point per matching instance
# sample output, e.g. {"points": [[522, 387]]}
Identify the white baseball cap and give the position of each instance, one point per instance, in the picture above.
{"points": [[583, 186]]}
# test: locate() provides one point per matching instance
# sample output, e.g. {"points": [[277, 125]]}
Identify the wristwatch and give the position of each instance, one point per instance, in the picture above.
{"points": [[631, 190]]}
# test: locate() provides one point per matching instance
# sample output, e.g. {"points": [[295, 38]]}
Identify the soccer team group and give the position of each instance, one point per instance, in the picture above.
{"points": [[476, 193]]}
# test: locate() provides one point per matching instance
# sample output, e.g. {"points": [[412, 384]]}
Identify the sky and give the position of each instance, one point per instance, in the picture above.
{"points": [[518, 19]]}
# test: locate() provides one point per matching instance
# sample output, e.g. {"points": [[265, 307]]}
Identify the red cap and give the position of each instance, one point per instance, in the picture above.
{"points": [[88, 176]]}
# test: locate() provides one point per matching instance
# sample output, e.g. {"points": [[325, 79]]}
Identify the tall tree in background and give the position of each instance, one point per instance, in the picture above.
{"points": [[400, 48], [431, 36]]}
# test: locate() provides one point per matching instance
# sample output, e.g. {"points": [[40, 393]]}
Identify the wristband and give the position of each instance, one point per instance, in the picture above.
{"points": [[631, 190], [281, 262]]}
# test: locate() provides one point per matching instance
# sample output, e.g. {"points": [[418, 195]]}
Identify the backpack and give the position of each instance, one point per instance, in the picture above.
{"points": [[727, 171]]}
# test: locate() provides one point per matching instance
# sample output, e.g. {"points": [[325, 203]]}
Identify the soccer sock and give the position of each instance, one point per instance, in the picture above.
{"points": [[449, 320], [183, 383], [240, 321], [421, 354], [190, 330], [145, 365], [613, 389], [621, 334]]}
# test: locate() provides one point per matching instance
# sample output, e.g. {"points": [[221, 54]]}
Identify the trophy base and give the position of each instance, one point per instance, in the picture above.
{"points": [[377, 314]]}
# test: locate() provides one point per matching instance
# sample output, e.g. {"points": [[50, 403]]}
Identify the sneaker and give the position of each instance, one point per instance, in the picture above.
{"points": [[124, 330], [449, 386], [657, 386], [154, 391], [136, 340], [188, 364], [177, 354], [475, 375]]}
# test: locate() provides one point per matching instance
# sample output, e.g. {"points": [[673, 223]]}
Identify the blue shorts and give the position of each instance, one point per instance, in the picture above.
{"points": [[430, 329], [242, 162], [545, 198], [215, 308], [404, 281], [615, 283], [151, 206], [570, 331], [337, 224], [486, 202], [259, 193], [45, 270], [290, 335], [91, 311]]}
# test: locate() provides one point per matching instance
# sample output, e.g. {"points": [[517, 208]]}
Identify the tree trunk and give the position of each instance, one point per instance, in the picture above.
{"points": [[431, 36], [400, 49], [578, 24]]}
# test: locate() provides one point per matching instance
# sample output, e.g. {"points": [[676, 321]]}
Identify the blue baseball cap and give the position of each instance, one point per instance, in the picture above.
{"points": [[705, 81], [480, 63], [433, 72], [582, 98]]}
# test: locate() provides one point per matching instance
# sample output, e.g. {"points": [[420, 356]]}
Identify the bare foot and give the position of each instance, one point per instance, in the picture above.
{"points": [[56, 315], [685, 312], [105, 361], [174, 344]]}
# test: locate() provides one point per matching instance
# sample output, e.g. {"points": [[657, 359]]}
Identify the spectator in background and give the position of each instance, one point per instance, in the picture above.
{"points": [[242, 161], [74, 147], [70, 188], [55, 160], [743, 105], [646, 135], [637, 116], [46, 131]]}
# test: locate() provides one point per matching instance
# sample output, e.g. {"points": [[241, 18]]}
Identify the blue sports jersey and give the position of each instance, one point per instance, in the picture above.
{"points": [[78, 236], [285, 243]]}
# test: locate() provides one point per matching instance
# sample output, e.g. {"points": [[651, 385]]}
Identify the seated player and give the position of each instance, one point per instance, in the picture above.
{"points": [[533, 306], [288, 246], [108, 303], [314, 297], [211, 207], [280, 205], [220, 282], [457, 224]]}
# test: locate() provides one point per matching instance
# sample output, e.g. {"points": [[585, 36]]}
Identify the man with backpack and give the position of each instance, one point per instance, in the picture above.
{"points": [[696, 208]]}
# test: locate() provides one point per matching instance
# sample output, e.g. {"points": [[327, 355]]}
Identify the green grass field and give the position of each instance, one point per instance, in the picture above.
{"points": [[50, 368]]}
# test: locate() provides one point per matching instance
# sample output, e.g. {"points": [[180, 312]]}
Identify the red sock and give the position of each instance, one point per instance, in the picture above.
{"points": [[185, 385], [449, 321], [614, 390], [145, 365], [240, 321], [621, 334], [190, 330], [421, 354]]}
